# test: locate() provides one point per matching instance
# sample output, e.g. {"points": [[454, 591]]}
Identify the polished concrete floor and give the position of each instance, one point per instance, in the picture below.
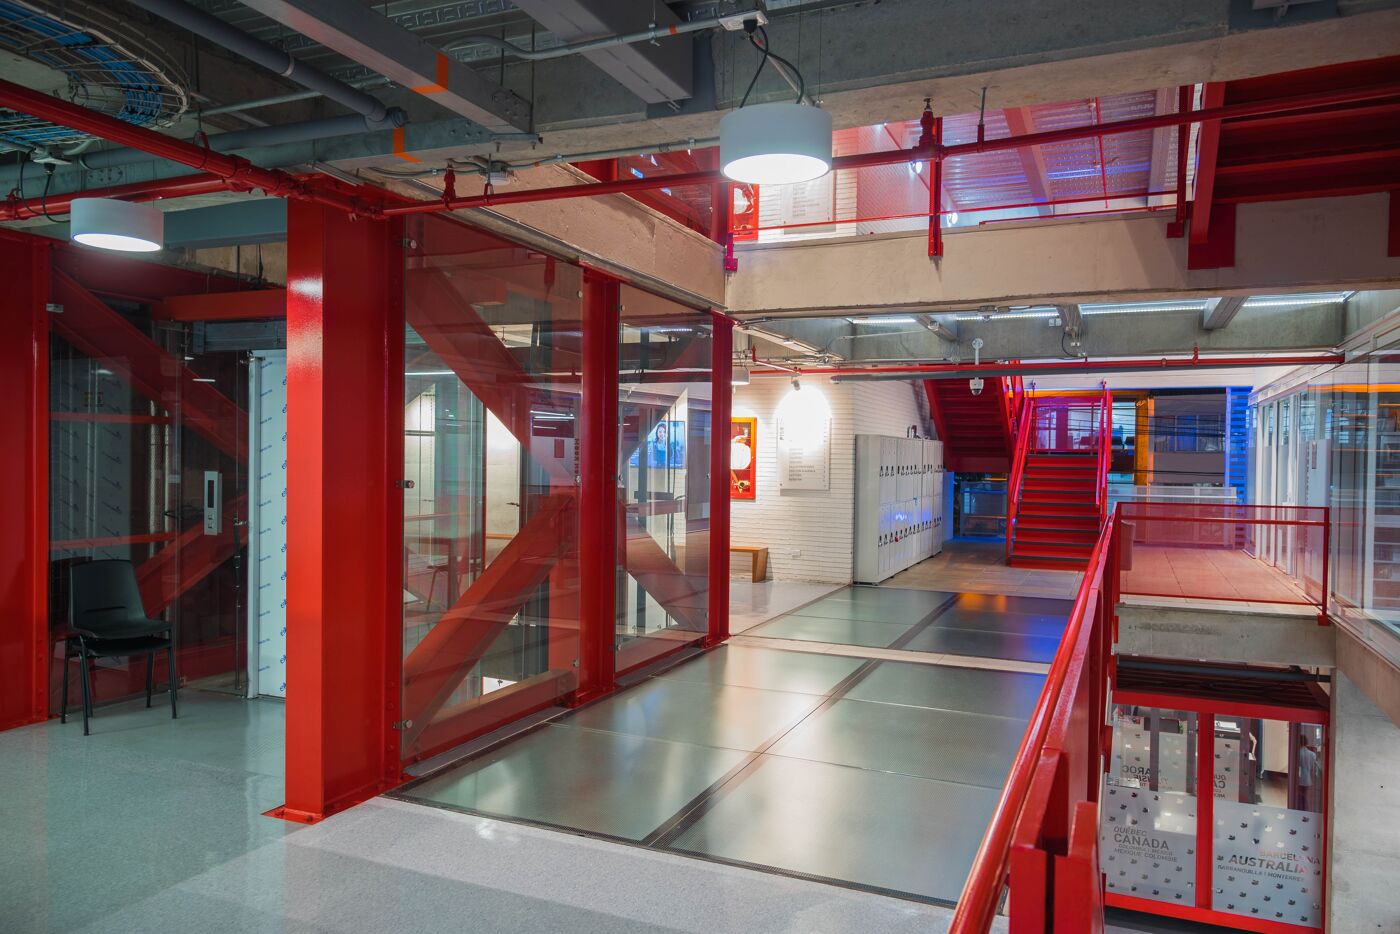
{"points": [[777, 752], [979, 566], [153, 824]]}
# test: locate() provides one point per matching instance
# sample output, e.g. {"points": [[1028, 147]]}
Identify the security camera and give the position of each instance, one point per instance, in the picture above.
{"points": [[974, 385]]}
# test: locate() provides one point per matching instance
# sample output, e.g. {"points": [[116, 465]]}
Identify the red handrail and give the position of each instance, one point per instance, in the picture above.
{"points": [[1105, 452], [982, 891], [1024, 423]]}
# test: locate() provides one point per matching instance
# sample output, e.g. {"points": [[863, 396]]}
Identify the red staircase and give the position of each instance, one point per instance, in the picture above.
{"points": [[977, 431], [1057, 490]]}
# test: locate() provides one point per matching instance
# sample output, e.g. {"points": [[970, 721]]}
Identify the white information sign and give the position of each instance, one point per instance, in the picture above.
{"points": [[804, 454]]}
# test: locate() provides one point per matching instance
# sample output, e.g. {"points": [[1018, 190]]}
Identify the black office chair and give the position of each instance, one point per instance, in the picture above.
{"points": [[106, 619]]}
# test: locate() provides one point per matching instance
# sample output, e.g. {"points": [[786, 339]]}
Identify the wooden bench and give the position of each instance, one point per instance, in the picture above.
{"points": [[760, 560]]}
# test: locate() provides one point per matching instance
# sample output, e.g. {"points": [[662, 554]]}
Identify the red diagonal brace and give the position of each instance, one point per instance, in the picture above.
{"points": [[437, 665], [162, 578], [681, 595], [450, 325], [99, 332]]}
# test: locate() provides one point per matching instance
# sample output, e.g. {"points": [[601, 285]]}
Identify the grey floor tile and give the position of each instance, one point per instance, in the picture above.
{"points": [[999, 693], [1049, 606], [876, 828], [612, 783], [1026, 648], [698, 712], [953, 746], [833, 629], [745, 666], [900, 612], [956, 617], [893, 596]]}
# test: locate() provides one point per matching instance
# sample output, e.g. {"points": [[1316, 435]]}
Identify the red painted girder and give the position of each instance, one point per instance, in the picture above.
{"points": [[462, 635], [105, 336], [181, 564], [680, 594], [1207, 152], [223, 306], [444, 317], [187, 186]]}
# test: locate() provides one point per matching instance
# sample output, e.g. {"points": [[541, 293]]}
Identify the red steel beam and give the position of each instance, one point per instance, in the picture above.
{"points": [[1207, 156], [100, 333], [238, 172], [463, 634], [721, 436], [249, 304], [24, 482], [1177, 228]]}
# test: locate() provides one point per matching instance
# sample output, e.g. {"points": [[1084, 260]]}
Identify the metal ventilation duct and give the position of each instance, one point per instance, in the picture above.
{"points": [[86, 54]]}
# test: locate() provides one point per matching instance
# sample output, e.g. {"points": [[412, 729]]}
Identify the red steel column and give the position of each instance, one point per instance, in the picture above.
{"points": [[345, 328], [24, 481], [721, 407], [597, 491], [935, 194]]}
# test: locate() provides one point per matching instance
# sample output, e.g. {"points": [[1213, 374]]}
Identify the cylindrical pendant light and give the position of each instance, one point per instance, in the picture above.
{"points": [[775, 144], [116, 225]]}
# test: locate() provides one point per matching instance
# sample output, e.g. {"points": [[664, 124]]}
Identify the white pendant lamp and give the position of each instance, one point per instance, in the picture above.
{"points": [[775, 144], [116, 225]]}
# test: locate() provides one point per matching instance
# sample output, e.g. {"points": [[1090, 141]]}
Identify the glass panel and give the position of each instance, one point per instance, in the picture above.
{"points": [[1148, 811], [138, 424], [1270, 789], [664, 467], [491, 399]]}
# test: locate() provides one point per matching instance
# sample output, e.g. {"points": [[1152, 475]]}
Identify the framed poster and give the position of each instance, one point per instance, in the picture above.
{"points": [[743, 458]]}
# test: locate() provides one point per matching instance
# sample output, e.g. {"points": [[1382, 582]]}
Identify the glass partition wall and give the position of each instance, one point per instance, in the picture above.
{"points": [[663, 467], [495, 547]]}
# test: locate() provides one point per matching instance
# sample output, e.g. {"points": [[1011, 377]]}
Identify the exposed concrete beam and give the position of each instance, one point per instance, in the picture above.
{"points": [[1221, 311], [365, 35], [657, 71], [1282, 246]]}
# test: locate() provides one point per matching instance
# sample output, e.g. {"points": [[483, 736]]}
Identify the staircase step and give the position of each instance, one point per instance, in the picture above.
{"points": [[1048, 563], [1073, 523], [1050, 550], [1057, 509], [1044, 536]]}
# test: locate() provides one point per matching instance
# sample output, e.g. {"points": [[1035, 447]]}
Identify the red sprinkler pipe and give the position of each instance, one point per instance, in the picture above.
{"points": [[16, 209], [237, 171]]}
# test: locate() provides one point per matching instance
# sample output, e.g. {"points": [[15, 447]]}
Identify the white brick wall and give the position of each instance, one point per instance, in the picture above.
{"points": [[818, 524]]}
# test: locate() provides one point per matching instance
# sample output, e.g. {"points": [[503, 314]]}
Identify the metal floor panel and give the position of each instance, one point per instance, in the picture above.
{"points": [[695, 712], [892, 612], [982, 621], [952, 746], [999, 693], [893, 596], [997, 603], [985, 644], [831, 629], [615, 784], [773, 669], [876, 829]]}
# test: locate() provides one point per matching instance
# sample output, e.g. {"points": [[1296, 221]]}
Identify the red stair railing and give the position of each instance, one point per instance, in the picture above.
{"points": [[1105, 452], [1024, 423], [1043, 833]]}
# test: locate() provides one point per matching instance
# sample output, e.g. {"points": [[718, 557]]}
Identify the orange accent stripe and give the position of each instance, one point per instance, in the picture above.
{"points": [[443, 64], [675, 31], [399, 149]]}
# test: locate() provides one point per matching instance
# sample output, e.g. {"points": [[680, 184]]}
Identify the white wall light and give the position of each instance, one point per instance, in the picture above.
{"points": [[116, 225], [739, 376], [775, 144]]}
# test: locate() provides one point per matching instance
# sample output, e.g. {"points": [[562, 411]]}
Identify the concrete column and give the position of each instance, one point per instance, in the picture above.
{"points": [[1364, 831]]}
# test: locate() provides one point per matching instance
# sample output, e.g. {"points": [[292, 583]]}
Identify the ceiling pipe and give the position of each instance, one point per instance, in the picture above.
{"points": [[238, 172], [730, 21], [292, 97], [184, 187], [1138, 365], [273, 59]]}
